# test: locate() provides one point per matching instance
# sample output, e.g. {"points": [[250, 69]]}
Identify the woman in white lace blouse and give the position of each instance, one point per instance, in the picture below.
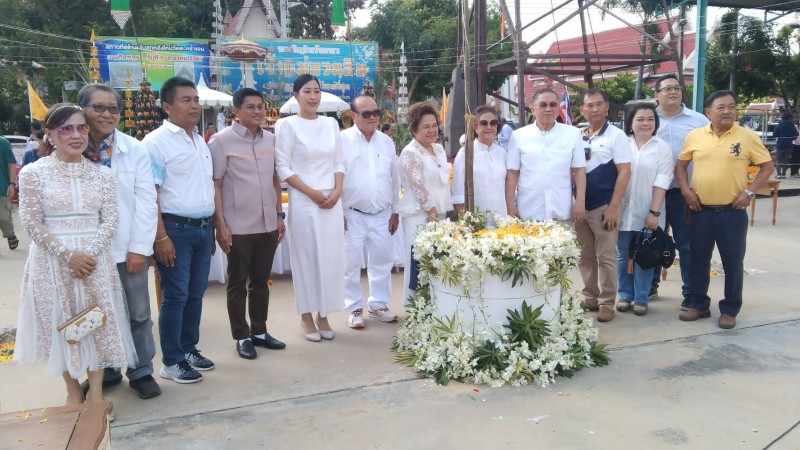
{"points": [[68, 206], [425, 177]]}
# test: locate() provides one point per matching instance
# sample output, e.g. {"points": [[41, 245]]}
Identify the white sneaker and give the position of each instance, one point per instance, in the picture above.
{"points": [[383, 314], [356, 319]]}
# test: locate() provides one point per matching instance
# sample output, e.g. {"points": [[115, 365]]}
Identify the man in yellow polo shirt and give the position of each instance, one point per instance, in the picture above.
{"points": [[718, 199]]}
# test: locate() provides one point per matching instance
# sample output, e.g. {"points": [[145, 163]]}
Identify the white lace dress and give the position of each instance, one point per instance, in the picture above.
{"points": [[61, 214]]}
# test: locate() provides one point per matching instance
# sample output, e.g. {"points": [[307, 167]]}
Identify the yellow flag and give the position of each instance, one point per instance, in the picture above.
{"points": [[38, 110]]}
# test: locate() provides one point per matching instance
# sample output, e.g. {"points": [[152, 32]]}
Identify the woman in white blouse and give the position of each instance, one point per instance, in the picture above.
{"points": [[308, 156], [425, 177], [652, 170], [489, 166]]}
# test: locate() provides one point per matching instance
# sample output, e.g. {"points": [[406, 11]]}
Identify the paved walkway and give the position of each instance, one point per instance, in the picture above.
{"points": [[670, 384]]}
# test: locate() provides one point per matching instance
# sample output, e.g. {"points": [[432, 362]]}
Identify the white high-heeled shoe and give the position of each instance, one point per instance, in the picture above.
{"points": [[313, 337], [322, 333]]}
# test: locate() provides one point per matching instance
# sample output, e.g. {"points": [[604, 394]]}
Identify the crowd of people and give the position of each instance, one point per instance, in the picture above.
{"points": [[99, 204]]}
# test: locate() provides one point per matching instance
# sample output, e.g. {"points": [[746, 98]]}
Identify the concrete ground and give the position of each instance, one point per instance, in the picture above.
{"points": [[670, 384]]}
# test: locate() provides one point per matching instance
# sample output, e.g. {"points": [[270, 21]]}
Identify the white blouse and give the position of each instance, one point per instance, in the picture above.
{"points": [[311, 149], [424, 179], [652, 166], [488, 175]]}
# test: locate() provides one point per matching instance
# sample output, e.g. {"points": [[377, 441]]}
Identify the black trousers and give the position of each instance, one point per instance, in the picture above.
{"points": [[249, 268]]}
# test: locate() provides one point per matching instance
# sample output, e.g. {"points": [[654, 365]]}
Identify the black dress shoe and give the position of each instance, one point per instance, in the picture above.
{"points": [[146, 387], [268, 342], [246, 350], [111, 378]]}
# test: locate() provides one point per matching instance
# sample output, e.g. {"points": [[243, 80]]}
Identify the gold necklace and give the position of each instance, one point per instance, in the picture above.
{"points": [[66, 170]]}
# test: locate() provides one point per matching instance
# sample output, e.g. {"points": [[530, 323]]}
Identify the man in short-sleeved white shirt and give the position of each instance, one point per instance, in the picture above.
{"points": [[182, 170], [370, 198], [542, 158], [608, 170]]}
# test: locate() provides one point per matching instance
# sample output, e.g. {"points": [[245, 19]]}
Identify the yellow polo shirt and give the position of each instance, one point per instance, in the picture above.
{"points": [[720, 163]]}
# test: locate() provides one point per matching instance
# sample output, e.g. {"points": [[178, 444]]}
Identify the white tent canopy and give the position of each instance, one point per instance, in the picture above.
{"points": [[328, 103], [209, 98]]}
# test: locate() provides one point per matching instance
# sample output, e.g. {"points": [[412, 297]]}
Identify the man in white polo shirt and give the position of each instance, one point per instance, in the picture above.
{"points": [[542, 158], [370, 198], [182, 170], [608, 169]]}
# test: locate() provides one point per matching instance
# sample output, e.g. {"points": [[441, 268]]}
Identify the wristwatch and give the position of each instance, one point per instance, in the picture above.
{"points": [[282, 215], [750, 193], [655, 213]]}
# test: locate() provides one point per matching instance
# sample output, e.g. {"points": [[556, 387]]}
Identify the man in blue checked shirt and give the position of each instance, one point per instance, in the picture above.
{"points": [[676, 122]]}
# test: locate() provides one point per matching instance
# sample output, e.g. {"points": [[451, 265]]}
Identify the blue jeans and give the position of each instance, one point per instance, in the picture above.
{"points": [[182, 289], [632, 287], [728, 230], [676, 219]]}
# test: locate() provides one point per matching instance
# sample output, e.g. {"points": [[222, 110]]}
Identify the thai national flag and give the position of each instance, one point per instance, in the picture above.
{"points": [[564, 111]]}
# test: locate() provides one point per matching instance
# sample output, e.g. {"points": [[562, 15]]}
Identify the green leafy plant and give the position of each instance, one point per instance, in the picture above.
{"points": [[489, 356], [526, 326], [599, 354], [516, 269]]}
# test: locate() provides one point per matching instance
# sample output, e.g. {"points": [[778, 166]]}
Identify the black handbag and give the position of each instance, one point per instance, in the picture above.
{"points": [[651, 248]]}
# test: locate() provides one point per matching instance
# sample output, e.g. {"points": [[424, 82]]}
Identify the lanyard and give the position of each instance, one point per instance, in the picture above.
{"points": [[587, 140]]}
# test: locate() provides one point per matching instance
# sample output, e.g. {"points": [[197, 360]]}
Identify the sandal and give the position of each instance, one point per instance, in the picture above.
{"points": [[623, 305], [13, 242]]}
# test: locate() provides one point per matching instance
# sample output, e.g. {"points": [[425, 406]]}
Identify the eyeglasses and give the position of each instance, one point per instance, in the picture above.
{"points": [[544, 105], [100, 109], [369, 114], [669, 89], [68, 130], [485, 123]]}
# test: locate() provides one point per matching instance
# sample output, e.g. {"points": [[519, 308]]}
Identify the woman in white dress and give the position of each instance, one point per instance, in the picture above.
{"points": [[425, 177], [68, 206], [488, 167], [652, 169], [308, 156]]}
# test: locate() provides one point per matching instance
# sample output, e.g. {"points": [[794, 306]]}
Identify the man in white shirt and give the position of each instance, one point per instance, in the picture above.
{"points": [[608, 169], [370, 198], [182, 170], [132, 244], [505, 133], [542, 158], [676, 122]]}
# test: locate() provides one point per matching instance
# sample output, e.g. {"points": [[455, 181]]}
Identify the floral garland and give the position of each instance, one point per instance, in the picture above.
{"points": [[534, 351]]}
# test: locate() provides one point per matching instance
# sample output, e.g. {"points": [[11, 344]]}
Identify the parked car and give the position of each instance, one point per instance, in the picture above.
{"points": [[19, 145]]}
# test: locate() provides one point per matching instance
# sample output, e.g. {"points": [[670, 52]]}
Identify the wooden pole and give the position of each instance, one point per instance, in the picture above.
{"points": [[469, 194], [521, 60]]}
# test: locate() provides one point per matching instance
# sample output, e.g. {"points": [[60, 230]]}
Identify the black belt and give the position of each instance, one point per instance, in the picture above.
{"points": [[202, 223], [371, 214], [717, 208]]}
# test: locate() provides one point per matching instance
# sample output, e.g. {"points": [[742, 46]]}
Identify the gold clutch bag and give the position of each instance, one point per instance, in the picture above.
{"points": [[83, 323]]}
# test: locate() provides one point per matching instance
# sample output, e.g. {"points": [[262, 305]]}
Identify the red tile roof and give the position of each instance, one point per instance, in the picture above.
{"points": [[620, 41]]}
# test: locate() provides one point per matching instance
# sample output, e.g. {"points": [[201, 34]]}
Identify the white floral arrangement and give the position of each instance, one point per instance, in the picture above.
{"points": [[534, 350]]}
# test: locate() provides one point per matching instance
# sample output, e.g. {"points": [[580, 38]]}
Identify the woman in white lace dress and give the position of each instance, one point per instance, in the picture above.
{"points": [[68, 208], [425, 179]]}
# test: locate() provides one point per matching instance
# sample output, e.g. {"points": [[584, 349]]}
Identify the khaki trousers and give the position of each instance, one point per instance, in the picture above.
{"points": [[598, 261], [6, 222]]}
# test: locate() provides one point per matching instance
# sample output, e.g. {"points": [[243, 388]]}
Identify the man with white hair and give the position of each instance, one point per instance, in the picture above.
{"points": [[370, 198]]}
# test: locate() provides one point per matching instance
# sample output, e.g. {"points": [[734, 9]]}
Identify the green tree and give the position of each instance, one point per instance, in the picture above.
{"points": [[787, 64], [754, 48], [429, 29]]}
